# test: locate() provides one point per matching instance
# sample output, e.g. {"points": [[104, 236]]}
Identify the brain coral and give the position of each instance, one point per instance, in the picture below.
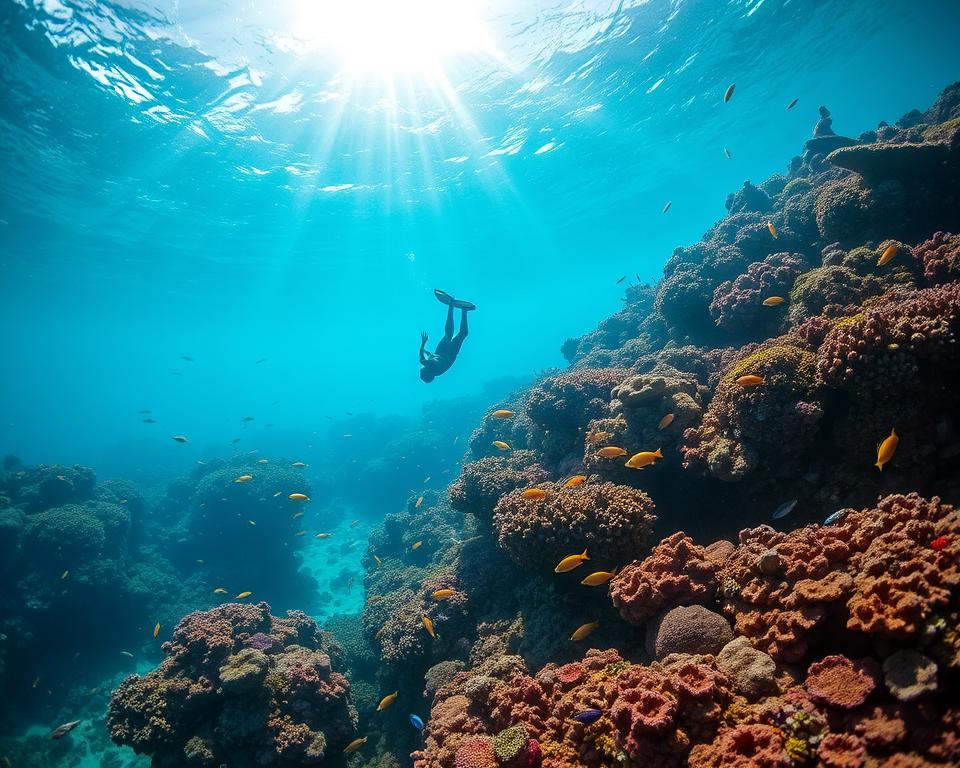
{"points": [[483, 482], [677, 572], [611, 521], [240, 706]]}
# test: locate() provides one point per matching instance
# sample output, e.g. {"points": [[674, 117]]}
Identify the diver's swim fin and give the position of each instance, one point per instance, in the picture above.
{"points": [[461, 304], [443, 297]]}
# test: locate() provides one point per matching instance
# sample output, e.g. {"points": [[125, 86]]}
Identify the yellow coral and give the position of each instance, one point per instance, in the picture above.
{"points": [[798, 749], [774, 360]]}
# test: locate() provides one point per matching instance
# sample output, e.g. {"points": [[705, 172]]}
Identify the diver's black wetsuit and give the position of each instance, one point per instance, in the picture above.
{"points": [[438, 362]]}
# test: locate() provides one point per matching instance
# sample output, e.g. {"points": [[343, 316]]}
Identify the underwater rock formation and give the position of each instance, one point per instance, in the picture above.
{"points": [[215, 700]]}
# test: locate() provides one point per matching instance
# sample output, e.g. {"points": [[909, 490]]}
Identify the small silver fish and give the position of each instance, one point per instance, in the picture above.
{"points": [[785, 509], [126, 653], [62, 730], [836, 517]]}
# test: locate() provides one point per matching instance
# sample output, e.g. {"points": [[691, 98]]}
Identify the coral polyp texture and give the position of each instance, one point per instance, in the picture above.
{"points": [[239, 687]]}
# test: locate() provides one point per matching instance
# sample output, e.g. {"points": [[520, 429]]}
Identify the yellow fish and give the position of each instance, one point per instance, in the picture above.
{"points": [[597, 578], [570, 562], [354, 745], [416, 545], [750, 380], [323, 536], [534, 494], [378, 560], [443, 594], [500, 445], [772, 230], [666, 421], [729, 92], [244, 479], [298, 497], [584, 629], [263, 461], [886, 449], [643, 459], [219, 591], [300, 533], [503, 413], [419, 503], [428, 625], [386, 701], [611, 452], [887, 256], [64, 575], [180, 438], [298, 464], [575, 481], [243, 595], [773, 301], [156, 629]]}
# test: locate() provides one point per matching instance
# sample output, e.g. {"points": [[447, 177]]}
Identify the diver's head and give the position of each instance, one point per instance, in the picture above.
{"points": [[427, 375]]}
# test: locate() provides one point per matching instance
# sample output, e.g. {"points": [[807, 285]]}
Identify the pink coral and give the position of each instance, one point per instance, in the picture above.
{"points": [[737, 305], [677, 572], [483, 482], [475, 752], [839, 682], [940, 257]]}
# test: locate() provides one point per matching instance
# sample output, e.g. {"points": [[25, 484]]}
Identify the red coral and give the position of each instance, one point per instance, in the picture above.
{"points": [[839, 682], [749, 746], [841, 750], [677, 572], [940, 257]]}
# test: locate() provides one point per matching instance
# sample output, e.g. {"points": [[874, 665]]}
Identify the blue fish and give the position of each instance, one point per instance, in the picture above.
{"points": [[836, 517], [588, 716], [416, 722]]}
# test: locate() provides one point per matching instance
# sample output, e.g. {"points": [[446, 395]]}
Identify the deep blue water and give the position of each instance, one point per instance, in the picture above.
{"points": [[223, 181], [273, 189]]}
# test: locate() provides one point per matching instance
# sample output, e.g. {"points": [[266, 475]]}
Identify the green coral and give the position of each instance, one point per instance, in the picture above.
{"points": [[780, 361], [508, 743]]}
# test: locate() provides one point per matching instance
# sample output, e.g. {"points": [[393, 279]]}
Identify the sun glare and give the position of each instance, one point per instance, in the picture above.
{"points": [[393, 36]]}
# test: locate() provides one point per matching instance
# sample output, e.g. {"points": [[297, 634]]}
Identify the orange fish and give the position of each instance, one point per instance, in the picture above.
{"points": [[501, 445], [643, 459], [156, 629], [534, 494], [728, 94], [888, 254], [598, 436], [386, 701], [611, 452], [570, 562], [597, 578], [772, 230], [298, 497], [773, 301], [886, 449], [243, 595], [416, 545], [428, 625], [666, 421], [575, 481], [583, 630], [443, 594], [503, 413], [750, 380]]}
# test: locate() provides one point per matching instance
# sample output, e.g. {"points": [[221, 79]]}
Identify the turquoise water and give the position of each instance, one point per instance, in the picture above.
{"points": [[213, 211]]}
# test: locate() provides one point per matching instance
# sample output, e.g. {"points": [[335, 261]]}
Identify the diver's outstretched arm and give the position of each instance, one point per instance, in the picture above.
{"points": [[423, 346]]}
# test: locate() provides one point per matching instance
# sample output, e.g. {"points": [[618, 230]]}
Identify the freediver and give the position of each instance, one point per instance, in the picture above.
{"points": [[439, 361]]}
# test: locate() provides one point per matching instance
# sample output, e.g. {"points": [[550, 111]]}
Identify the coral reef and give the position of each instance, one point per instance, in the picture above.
{"points": [[214, 701]]}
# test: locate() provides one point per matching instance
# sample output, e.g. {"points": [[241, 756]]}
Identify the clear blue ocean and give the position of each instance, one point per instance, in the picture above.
{"points": [[222, 223]]}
